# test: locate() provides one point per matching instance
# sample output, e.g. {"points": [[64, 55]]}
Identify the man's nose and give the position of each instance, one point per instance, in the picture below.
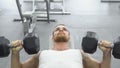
{"points": [[61, 30]]}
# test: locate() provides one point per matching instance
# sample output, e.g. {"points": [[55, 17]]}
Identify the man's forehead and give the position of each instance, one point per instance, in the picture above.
{"points": [[60, 26]]}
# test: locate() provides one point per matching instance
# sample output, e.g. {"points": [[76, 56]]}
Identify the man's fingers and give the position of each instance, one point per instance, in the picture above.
{"points": [[105, 44], [16, 43], [20, 47]]}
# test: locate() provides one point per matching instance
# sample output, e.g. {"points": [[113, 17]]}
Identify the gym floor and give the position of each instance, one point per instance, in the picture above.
{"points": [[86, 15]]}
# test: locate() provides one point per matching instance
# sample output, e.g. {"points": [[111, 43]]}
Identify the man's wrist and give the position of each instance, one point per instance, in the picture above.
{"points": [[15, 52], [108, 53]]}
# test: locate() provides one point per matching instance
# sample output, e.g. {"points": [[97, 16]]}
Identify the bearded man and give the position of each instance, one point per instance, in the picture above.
{"points": [[61, 56]]}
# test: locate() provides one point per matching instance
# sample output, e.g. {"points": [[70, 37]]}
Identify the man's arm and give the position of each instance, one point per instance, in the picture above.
{"points": [[106, 49], [106, 63], [89, 62], [15, 61], [33, 62]]}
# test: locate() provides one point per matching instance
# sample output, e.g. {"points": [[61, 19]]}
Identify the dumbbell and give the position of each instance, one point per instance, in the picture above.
{"points": [[30, 45], [90, 43]]}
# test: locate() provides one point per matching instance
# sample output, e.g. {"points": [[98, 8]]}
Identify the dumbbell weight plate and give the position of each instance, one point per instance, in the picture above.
{"points": [[4, 48]]}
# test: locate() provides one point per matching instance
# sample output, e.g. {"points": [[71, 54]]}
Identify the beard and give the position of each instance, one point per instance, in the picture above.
{"points": [[61, 38]]}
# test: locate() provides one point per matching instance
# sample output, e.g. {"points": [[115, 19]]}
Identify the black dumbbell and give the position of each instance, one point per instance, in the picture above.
{"points": [[30, 45], [116, 48], [4, 48], [90, 43]]}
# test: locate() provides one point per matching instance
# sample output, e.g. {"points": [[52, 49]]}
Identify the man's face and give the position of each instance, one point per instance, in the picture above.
{"points": [[61, 34]]}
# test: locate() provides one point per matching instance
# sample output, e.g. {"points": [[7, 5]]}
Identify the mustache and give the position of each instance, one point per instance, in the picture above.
{"points": [[61, 33]]}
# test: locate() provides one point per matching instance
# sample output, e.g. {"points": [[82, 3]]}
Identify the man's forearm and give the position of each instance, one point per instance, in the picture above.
{"points": [[15, 61], [106, 63]]}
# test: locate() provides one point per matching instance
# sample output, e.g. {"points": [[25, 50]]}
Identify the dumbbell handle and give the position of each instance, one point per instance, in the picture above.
{"points": [[13, 46], [10, 46]]}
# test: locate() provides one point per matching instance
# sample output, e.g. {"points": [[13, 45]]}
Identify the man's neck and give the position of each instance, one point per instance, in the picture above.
{"points": [[61, 46]]}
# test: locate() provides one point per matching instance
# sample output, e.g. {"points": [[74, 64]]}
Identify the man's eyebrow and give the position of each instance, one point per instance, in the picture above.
{"points": [[59, 27]]}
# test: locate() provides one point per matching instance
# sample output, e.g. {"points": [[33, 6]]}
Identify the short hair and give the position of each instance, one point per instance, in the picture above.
{"points": [[60, 24]]}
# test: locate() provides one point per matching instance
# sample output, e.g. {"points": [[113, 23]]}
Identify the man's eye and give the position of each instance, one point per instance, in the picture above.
{"points": [[57, 29], [65, 29]]}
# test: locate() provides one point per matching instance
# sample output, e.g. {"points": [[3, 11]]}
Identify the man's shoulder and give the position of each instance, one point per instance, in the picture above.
{"points": [[37, 55]]}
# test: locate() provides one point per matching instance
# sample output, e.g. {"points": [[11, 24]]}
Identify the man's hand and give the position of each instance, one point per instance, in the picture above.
{"points": [[105, 46], [19, 47]]}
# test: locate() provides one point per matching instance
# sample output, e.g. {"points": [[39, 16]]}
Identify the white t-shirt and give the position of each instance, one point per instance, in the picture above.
{"points": [[70, 58]]}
